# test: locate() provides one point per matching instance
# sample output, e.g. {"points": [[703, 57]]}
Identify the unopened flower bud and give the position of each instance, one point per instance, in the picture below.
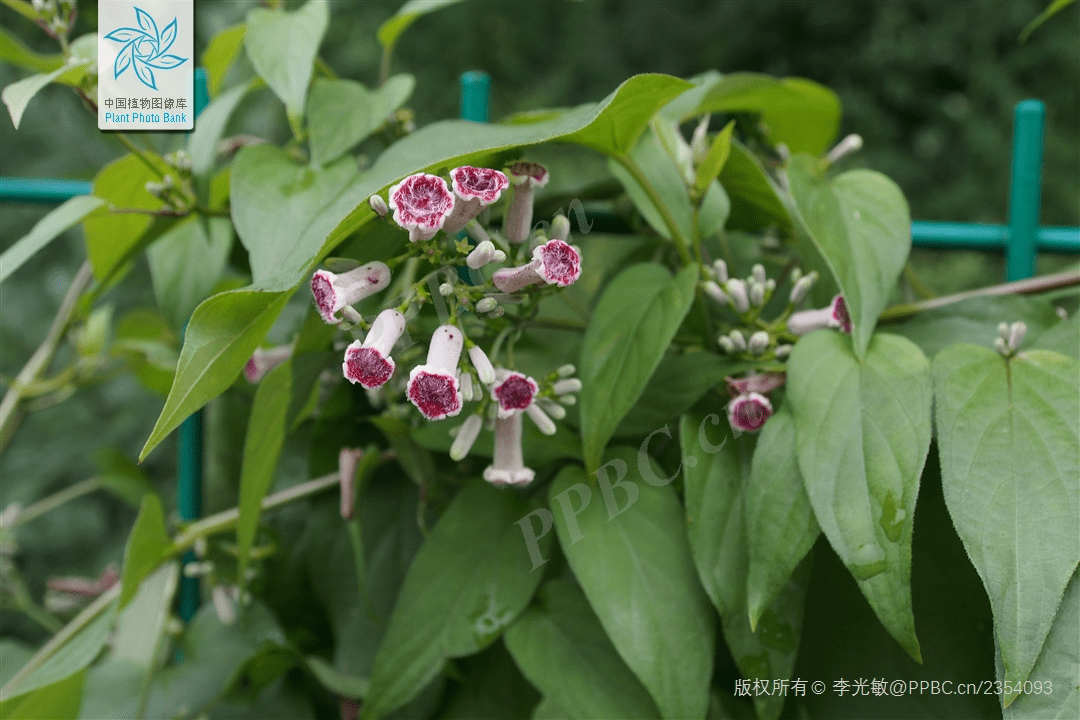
{"points": [[483, 254], [796, 275], [757, 293], [726, 344], [782, 351], [567, 386], [739, 299], [758, 273], [738, 340], [482, 364], [759, 342], [1016, 335], [801, 289], [466, 436], [486, 305], [497, 313], [568, 399], [1003, 330], [552, 408], [499, 256], [713, 290], [566, 370], [446, 289], [466, 383], [720, 268], [770, 285], [560, 228], [378, 205], [852, 143], [1002, 347]]}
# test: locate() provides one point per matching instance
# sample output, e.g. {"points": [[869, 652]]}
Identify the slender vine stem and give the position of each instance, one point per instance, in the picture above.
{"points": [[51, 502], [41, 358], [680, 242], [139, 154]]}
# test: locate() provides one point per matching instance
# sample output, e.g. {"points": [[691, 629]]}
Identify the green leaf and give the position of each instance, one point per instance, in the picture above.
{"points": [[414, 460], [23, 7], [407, 14], [561, 647], [860, 224], [148, 544], [1048, 12], [717, 482], [111, 236], [18, 94], [678, 382], [1056, 667], [714, 211], [754, 201], [632, 326], [341, 113], [489, 687], [798, 112], [186, 263], [1063, 337], [336, 681], [223, 333], [120, 476], [72, 657], [203, 142], [469, 581], [283, 211], [780, 524], [862, 432], [714, 160], [262, 447], [282, 47], [59, 701], [219, 56], [45, 231], [664, 179], [12, 50], [140, 628], [1007, 433], [629, 554]]}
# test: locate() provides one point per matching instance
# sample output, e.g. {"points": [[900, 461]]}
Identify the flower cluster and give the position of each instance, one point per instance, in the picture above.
{"points": [[761, 342], [456, 370]]}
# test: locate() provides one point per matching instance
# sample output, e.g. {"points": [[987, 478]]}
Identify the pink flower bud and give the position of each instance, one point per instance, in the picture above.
{"points": [[466, 436], [514, 391], [333, 292], [475, 189], [369, 362], [525, 177], [263, 360], [507, 466], [433, 387], [421, 204], [749, 411]]}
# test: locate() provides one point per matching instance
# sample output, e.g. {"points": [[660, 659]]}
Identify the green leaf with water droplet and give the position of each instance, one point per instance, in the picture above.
{"points": [[1008, 443], [469, 581], [862, 433]]}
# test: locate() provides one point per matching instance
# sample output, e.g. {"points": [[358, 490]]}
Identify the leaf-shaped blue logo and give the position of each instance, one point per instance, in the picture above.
{"points": [[145, 49]]}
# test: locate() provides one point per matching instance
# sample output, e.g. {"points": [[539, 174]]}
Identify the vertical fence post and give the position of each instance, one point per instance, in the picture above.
{"points": [[1025, 189], [189, 446]]}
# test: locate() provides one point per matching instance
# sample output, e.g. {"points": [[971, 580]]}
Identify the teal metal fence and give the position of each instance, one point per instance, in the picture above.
{"points": [[1021, 239]]}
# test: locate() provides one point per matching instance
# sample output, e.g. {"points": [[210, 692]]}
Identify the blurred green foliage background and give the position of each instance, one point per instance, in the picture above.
{"points": [[930, 85]]}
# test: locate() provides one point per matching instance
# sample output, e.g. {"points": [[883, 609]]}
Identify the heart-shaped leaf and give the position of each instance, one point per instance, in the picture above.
{"points": [[341, 113]]}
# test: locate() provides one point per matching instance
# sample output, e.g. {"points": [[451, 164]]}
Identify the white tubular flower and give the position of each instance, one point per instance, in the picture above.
{"points": [[378, 205], [483, 254], [834, 316], [433, 386], [474, 189], [263, 360], [466, 436], [736, 288], [333, 292], [513, 391], [749, 411], [507, 467], [552, 408], [369, 362], [348, 461], [716, 293], [554, 263], [483, 366], [567, 386], [524, 178], [421, 205], [538, 416]]}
